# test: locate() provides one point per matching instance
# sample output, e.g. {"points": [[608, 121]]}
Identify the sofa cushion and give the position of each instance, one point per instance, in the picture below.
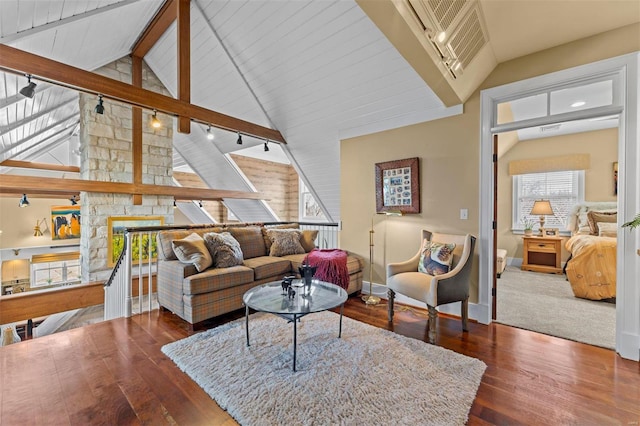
{"points": [[165, 238], [214, 279], [267, 240], [250, 239], [308, 239], [435, 257], [225, 250], [284, 242], [268, 266], [192, 249]]}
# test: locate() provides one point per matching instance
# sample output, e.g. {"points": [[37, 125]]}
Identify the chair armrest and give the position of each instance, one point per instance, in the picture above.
{"points": [[410, 265]]}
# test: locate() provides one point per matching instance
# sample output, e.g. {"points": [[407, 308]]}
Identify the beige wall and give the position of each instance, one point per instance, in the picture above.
{"points": [[17, 223], [449, 153], [602, 145]]}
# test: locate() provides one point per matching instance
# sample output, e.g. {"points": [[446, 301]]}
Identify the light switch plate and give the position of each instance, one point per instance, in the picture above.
{"points": [[464, 214]]}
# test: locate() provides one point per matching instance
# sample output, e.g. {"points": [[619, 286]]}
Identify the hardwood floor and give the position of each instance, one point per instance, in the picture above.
{"points": [[114, 373]]}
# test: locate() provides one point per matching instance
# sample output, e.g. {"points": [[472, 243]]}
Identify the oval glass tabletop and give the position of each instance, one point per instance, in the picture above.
{"points": [[317, 297]]}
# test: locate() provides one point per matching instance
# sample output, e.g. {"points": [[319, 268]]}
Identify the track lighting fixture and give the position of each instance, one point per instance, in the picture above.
{"points": [[239, 141], [24, 202], [73, 200], [200, 203], [99, 109], [155, 122], [210, 134], [30, 89], [266, 146], [174, 204]]}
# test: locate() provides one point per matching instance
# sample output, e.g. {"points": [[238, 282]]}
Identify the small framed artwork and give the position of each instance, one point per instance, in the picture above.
{"points": [[398, 186], [550, 232]]}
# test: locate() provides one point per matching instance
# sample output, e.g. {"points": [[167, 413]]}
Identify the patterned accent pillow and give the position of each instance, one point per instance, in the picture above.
{"points": [[224, 249], [284, 242], [435, 258], [192, 249], [595, 217]]}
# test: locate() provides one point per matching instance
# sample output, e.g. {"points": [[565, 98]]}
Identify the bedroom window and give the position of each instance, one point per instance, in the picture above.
{"points": [[564, 189]]}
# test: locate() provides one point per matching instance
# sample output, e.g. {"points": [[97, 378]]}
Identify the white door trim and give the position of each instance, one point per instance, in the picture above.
{"points": [[628, 262]]}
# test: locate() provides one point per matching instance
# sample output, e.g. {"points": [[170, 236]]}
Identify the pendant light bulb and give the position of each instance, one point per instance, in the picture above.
{"points": [[155, 122], [24, 202], [266, 147], [239, 141], [210, 134]]}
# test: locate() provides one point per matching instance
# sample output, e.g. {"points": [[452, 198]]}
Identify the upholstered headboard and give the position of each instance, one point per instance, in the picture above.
{"points": [[578, 222]]}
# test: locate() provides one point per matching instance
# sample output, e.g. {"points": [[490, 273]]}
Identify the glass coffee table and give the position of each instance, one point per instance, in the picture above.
{"points": [[272, 298]]}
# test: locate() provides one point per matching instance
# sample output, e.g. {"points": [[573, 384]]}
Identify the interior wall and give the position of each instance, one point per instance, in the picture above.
{"points": [[602, 145], [449, 153]]}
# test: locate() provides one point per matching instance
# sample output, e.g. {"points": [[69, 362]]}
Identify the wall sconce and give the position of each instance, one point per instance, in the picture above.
{"points": [[36, 229]]}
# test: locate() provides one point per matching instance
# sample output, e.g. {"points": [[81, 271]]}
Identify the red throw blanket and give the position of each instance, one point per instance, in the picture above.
{"points": [[331, 264]]}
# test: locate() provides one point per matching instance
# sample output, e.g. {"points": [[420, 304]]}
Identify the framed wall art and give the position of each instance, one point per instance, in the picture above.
{"points": [[398, 186], [115, 241], [65, 222]]}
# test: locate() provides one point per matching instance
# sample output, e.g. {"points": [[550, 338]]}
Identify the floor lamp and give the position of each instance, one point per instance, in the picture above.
{"points": [[370, 299]]}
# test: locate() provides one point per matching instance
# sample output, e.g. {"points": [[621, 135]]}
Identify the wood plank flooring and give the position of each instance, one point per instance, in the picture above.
{"points": [[113, 373]]}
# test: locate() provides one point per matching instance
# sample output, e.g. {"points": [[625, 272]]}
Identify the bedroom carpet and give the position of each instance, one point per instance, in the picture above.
{"points": [[369, 376], [545, 303]]}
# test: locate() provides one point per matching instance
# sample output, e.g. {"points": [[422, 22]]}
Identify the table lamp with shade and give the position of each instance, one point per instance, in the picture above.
{"points": [[542, 208]]}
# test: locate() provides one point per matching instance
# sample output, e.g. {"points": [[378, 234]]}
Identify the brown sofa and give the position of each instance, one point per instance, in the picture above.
{"points": [[196, 296]]}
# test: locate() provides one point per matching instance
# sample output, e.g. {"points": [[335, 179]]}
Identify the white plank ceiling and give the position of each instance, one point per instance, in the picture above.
{"points": [[318, 71]]}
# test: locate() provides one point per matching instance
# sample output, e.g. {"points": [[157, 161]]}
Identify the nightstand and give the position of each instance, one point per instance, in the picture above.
{"points": [[542, 254]]}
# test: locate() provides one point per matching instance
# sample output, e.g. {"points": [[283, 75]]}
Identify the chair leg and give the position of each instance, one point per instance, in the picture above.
{"points": [[465, 314], [391, 295], [433, 314]]}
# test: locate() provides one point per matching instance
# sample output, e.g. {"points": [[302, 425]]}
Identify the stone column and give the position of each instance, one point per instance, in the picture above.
{"points": [[106, 155]]}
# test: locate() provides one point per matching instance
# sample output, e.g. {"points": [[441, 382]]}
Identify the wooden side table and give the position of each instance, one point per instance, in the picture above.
{"points": [[542, 254]]}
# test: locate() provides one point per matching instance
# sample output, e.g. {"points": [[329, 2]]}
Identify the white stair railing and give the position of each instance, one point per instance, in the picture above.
{"points": [[118, 298]]}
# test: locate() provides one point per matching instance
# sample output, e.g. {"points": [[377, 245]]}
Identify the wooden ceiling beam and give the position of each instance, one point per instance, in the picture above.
{"points": [[76, 78], [40, 166], [184, 61], [13, 184], [162, 20]]}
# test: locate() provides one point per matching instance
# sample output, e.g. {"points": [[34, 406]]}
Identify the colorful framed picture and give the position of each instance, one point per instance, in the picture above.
{"points": [[398, 186], [116, 226], [65, 222]]}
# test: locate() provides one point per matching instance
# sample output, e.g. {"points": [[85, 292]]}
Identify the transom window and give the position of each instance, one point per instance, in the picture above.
{"points": [[563, 189]]}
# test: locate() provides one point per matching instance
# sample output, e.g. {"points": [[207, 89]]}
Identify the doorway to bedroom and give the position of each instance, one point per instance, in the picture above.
{"points": [[563, 164], [622, 71]]}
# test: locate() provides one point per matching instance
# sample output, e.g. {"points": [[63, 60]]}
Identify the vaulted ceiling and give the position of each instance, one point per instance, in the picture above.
{"points": [[317, 71]]}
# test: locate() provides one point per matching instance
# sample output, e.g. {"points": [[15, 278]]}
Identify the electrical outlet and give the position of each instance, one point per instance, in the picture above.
{"points": [[464, 214]]}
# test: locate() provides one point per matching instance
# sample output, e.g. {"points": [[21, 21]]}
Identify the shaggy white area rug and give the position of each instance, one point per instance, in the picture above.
{"points": [[369, 376]]}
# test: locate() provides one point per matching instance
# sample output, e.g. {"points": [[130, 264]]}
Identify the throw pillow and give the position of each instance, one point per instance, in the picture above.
{"points": [[607, 229], [284, 242], [267, 240], [435, 258], [192, 249], [308, 239], [594, 217], [224, 249]]}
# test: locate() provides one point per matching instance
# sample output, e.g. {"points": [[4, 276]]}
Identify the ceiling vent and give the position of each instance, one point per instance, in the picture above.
{"points": [[550, 128], [455, 28]]}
